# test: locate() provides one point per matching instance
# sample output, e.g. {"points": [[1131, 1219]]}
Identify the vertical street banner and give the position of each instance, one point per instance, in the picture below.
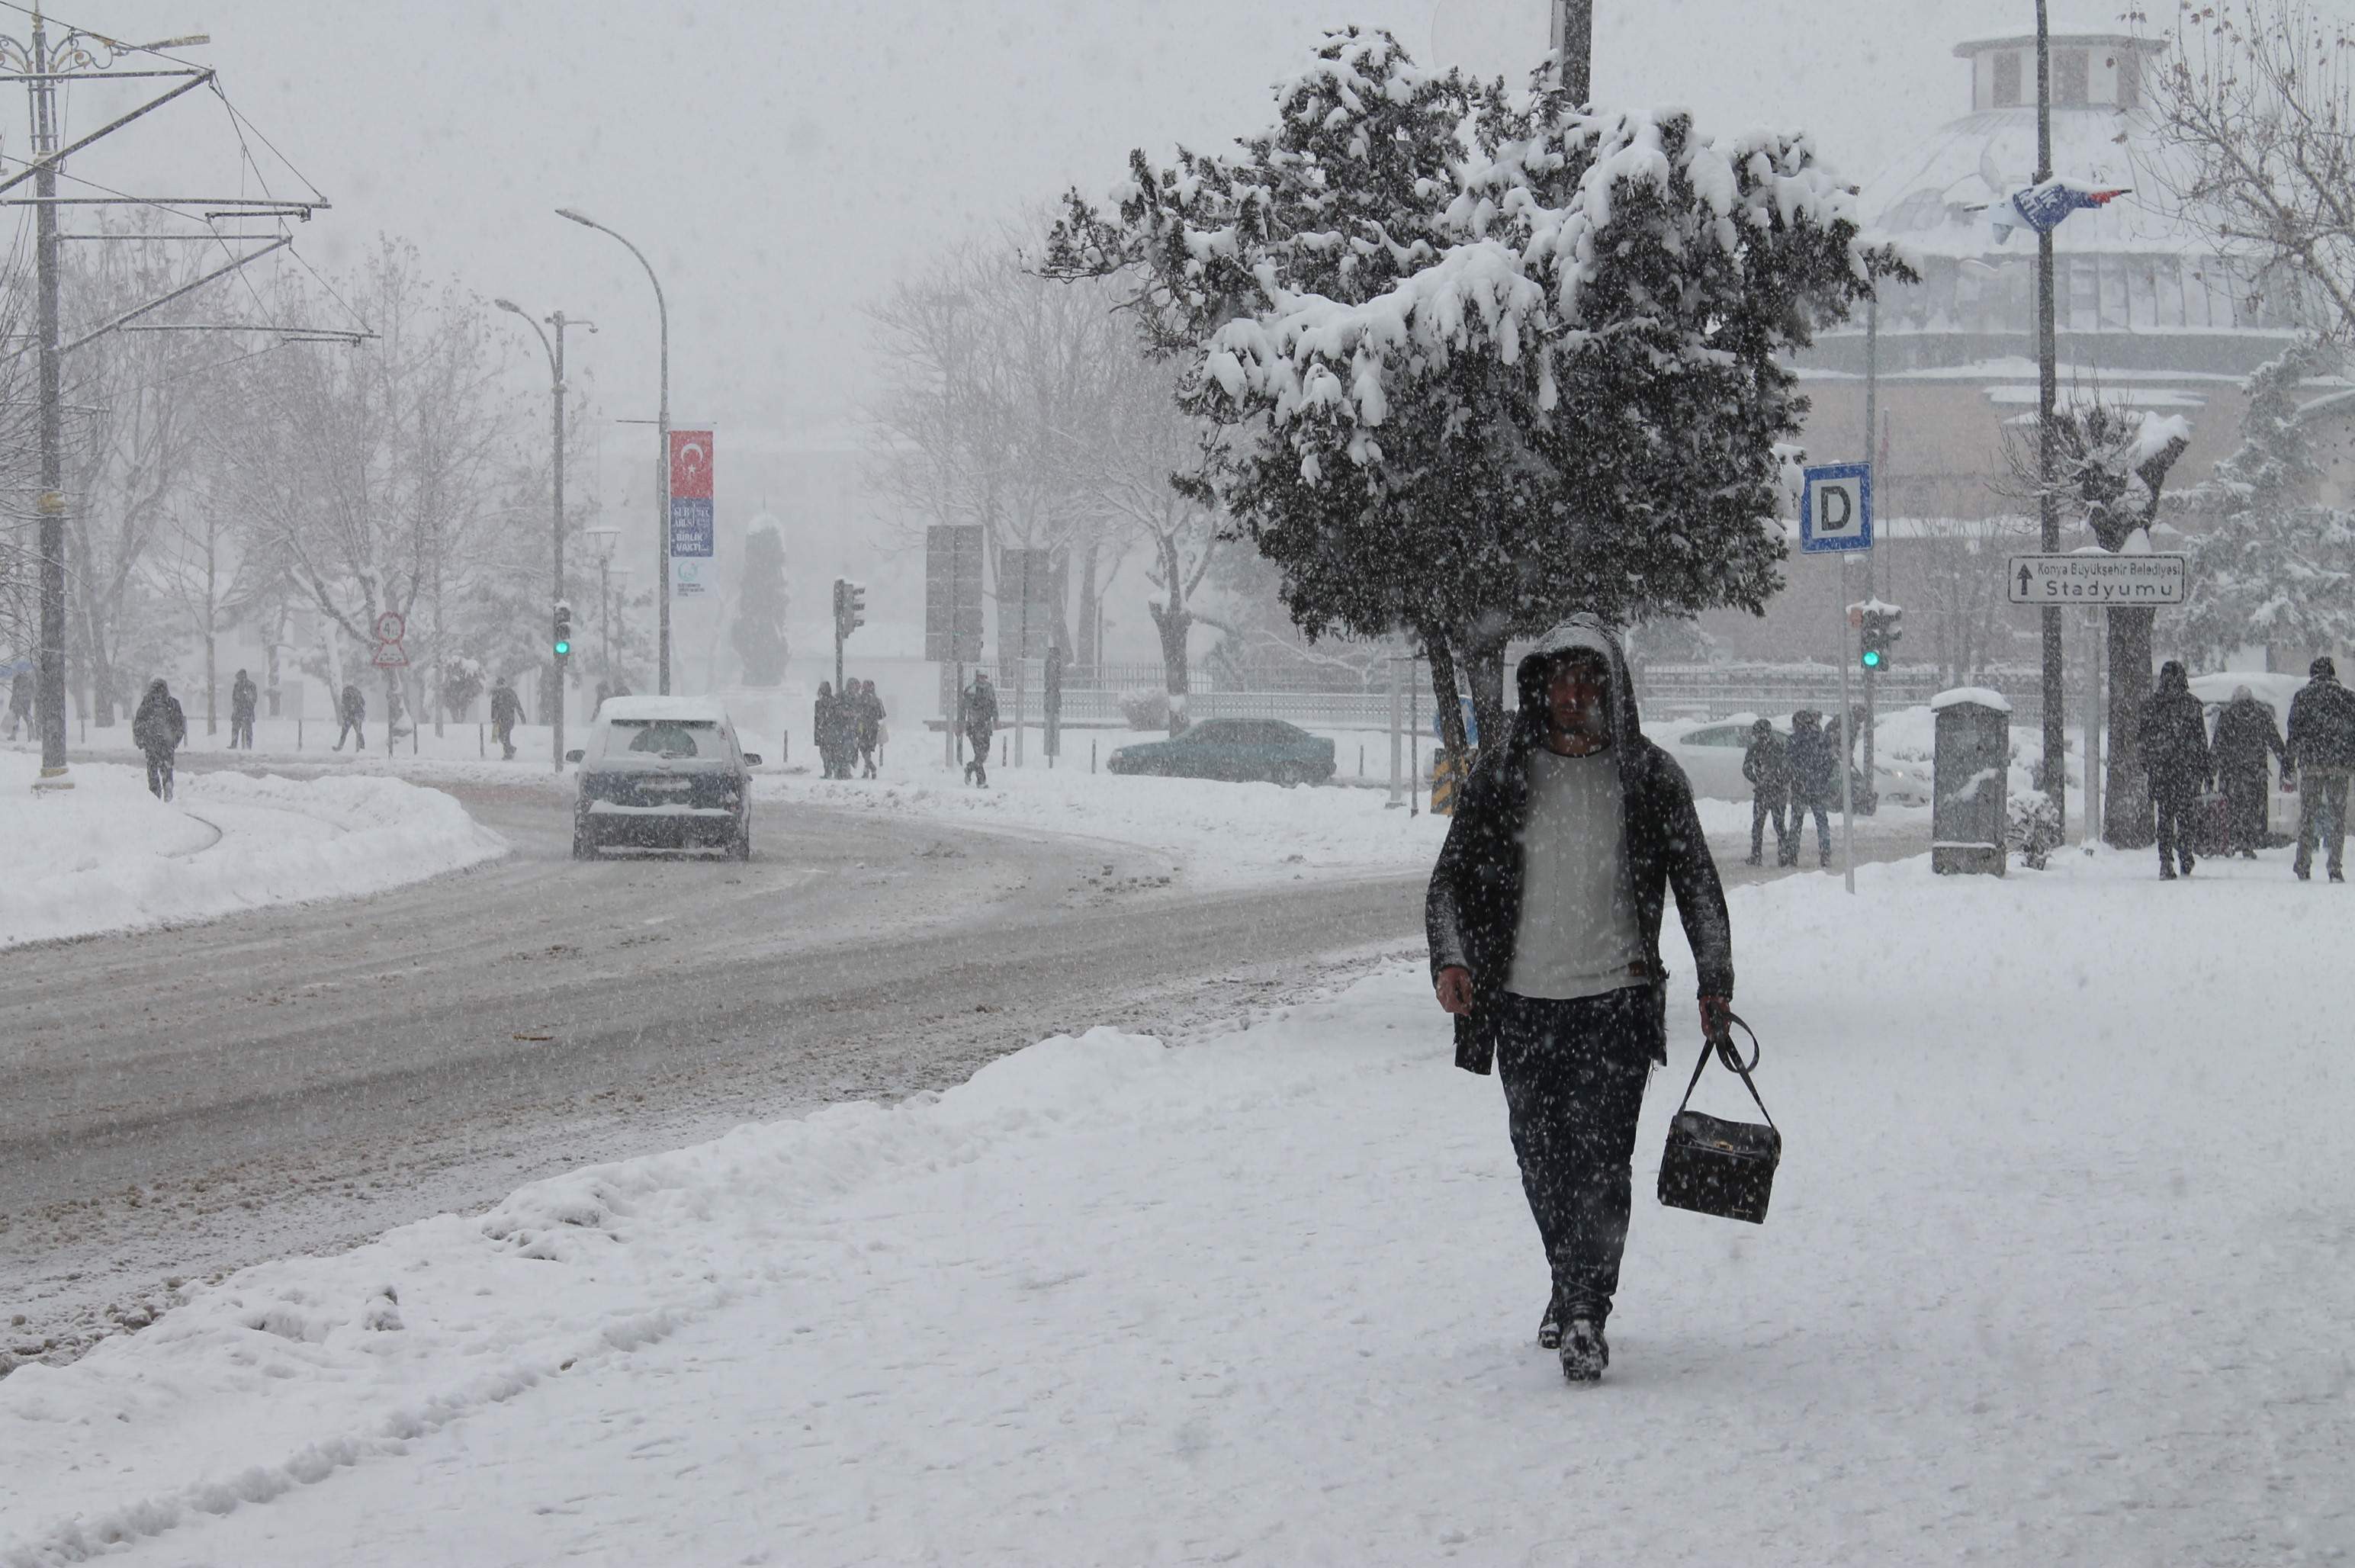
{"points": [[690, 512]]}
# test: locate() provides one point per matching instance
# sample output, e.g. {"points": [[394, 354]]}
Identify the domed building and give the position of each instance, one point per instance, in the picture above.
{"points": [[2147, 315]]}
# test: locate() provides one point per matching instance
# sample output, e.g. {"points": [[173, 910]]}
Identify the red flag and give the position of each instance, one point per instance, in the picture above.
{"points": [[690, 465]]}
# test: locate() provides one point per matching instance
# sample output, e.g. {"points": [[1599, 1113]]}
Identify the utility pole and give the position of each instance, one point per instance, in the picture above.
{"points": [[41, 64], [1871, 570], [1573, 39], [2055, 780], [555, 351]]}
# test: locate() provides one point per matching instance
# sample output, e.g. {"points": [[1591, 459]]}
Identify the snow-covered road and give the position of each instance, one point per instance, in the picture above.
{"points": [[2058, 1271]]}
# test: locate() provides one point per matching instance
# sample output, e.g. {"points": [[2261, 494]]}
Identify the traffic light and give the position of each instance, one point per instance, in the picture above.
{"points": [[562, 642], [849, 607], [1882, 627]]}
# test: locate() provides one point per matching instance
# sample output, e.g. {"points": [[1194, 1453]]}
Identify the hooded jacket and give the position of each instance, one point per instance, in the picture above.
{"points": [[2173, 735], [1473, 910], [158, 727]]}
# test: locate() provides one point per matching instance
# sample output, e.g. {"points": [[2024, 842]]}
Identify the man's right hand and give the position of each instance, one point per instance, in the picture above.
{"points": [[1454, 989]]}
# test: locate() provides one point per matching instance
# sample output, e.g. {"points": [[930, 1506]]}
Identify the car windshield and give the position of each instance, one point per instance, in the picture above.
{"points": [[665, 738]]}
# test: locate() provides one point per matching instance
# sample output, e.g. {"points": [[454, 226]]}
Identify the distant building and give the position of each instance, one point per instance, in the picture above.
{"points": [[2147, 313]]}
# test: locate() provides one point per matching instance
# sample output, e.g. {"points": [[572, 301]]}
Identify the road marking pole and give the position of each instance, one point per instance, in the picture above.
{"points": [[1848, 782]]}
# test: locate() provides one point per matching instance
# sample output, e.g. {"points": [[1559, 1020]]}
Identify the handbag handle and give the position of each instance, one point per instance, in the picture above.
{"points": [[1724, 1048]]}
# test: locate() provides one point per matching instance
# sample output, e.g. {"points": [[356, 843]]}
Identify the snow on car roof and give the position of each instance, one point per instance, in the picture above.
{"points": [[642, 707]]}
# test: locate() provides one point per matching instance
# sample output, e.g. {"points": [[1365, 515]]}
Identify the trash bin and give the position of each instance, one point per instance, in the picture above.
{"points": [[1972, 776]]}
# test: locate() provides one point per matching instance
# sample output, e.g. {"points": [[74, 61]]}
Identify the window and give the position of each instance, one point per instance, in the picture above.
{"points": [[2129, 79], [664, 737], [2006, 92], [2071, 73]]}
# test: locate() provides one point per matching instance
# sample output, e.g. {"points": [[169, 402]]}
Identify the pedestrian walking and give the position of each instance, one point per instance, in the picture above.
{"points": [[870, 725], [2321, 749], [1543, 917], [977, 717], [825, 727], [158, 729], [2173, 740], [20, 703], [2245, 733], [1767, 763], [506, 712], [351, 708], [244, 696], [1815, 783]]}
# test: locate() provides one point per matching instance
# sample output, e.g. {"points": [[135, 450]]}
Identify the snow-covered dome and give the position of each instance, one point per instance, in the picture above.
{"points": [[2136, 272]]}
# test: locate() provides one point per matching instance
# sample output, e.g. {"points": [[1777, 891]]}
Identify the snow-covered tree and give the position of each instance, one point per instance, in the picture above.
{"points": [[2271, 566], [759, 630], [1481, 359], [2110, 469]]}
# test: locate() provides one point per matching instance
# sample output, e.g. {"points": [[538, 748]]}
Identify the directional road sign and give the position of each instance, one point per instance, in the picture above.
{"points": [[2096, 580], [1836, 508]]}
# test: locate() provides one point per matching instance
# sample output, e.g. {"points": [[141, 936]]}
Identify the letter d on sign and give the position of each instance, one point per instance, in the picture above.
{"points": [[1839, 510]]}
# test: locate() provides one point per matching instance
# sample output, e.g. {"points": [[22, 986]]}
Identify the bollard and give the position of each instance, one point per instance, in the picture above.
{"points": [[298, 735], [1361, 762], [480, 749], [1092, 754]]}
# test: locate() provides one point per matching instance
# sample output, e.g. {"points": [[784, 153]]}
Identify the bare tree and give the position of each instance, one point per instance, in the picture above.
{"points": [[363, 470], [2256, 101], [990, 377], [1965, 616]]}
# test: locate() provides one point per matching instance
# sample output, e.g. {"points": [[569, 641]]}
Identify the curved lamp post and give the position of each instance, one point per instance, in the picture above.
{"points": [[556, 372], [662, 460]]}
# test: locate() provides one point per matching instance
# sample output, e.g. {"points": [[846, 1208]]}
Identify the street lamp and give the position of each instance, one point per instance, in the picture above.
{"points": [[662, 460], [555, 374]]}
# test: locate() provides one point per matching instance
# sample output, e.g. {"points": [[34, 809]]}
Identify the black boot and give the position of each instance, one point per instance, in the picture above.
{"points": [[1584, 1351]]}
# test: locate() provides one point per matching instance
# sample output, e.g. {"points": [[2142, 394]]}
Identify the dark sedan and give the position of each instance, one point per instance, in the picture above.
{"points": [[663, 772], [1234, 750]]}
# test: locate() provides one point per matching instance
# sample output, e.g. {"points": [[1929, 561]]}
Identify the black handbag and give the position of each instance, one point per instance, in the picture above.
{"points": [[1717, 1167]]}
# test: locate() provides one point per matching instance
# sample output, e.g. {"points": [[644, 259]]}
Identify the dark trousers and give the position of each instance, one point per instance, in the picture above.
{"points": [[159, 774], [1801, 804], [351, 727], [240, 731], [2175, 804], [2244, 810], [505, 735], [976, 767], [1573, 1074], [2321, 816], [1764, 804]]}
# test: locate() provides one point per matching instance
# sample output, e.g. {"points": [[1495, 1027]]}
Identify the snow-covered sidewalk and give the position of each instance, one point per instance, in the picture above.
{"points": [[2059, 1269], [108, 856]]}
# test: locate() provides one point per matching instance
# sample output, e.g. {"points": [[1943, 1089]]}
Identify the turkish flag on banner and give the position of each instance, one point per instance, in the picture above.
{"points": [[690, 465]]}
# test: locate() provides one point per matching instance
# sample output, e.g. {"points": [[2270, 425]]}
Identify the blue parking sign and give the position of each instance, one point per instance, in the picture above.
{"points": [[1836, 508]]}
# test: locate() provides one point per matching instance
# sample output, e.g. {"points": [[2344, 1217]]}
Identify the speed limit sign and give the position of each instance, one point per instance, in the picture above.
{"points": [[390, 627]]}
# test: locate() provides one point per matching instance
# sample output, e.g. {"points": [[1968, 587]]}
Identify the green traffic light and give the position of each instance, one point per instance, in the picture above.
{"points": [[562, 649], [1871, 659]]}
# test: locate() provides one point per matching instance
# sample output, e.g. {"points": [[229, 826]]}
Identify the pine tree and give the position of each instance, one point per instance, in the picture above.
{"points": [[760, 631], [1480, 359], [2273, 567]]}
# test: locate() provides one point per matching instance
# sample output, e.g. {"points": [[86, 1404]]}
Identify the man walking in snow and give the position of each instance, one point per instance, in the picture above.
{"points": [[1544, 917], [158, 729], [2173, 741], [244, 696], [506, 712], [2322, 751], [20, 703], [1767, 763], [1815, 783], [2245, 733], [977, 717], [351, 708]]}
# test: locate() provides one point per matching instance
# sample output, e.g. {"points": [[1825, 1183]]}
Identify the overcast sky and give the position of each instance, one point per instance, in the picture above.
{"points": [[781, 163]]}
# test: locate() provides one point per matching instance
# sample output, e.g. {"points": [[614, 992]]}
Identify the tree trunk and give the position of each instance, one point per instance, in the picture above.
{"points": [[1173, 626], [2126, 807], [1484, 670], [1089, 654], [1444, 700]]}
